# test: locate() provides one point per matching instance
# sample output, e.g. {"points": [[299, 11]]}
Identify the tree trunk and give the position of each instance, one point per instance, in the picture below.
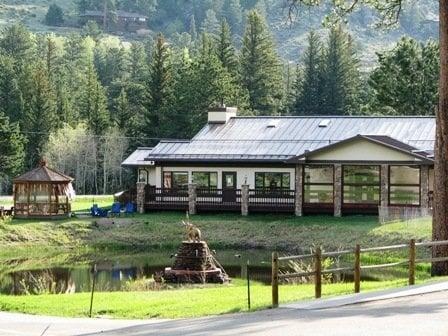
{"points": [[440, 216]]}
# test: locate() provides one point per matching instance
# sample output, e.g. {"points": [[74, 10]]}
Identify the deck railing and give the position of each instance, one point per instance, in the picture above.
{"points": [[356, 268], [271, 199], [209, 199], [166, 198]]}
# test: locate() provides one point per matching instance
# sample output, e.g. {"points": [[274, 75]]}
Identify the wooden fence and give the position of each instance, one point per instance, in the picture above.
{"points": [[318, 256]]}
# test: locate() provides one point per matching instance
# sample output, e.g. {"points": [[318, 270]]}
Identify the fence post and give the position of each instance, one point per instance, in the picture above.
{"points": [[337, 190], [245, 200], [412, 262], [192, 196], [298, 198], [274, 280], [141, 197], [318, 273], [357, 276]]}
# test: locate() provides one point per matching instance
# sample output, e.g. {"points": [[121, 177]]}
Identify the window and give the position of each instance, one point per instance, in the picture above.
{"points": [[143, 176], [318, 184], [272, 181], [361, 184], [404, 186], [206, 179], [175, 180]]}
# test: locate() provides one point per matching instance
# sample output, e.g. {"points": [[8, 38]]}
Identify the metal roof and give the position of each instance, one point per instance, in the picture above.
{"points": [[255, 139], [137, 158]]}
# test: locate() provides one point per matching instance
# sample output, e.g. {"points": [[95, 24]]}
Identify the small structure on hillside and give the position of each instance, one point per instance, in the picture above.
{"points": [[118, 21], [43, 193], [194, 262]]}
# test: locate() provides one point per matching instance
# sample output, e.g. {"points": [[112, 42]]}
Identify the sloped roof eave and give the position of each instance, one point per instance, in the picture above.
{"points": [[305, 155]]}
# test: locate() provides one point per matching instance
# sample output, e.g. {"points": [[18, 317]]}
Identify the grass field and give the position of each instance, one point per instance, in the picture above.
{"points": [[183, 303], [163, 230]]}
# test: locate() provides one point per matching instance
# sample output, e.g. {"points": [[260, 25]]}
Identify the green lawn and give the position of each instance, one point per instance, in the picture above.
{"points": [[182, 303], [230, 230]]}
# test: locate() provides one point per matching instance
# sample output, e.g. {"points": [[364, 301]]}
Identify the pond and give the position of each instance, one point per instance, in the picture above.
{"points": [[115, 271], [71, 273]]}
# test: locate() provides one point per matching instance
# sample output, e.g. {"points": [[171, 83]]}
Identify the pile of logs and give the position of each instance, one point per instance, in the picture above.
{"points": [[194, 263]]}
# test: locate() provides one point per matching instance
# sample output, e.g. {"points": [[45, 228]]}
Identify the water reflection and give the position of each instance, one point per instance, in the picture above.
{"points": [[118, 272], [113, 272]]}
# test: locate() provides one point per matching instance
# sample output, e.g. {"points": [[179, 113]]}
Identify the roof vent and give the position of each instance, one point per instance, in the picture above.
{"points": [[324, 123], [273, 123]]}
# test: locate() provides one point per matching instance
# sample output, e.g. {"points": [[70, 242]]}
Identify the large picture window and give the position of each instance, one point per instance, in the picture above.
{"points": [[404, 186], [318, 184], [361, 184], [205, 179], [272, 181], [175, 180]]}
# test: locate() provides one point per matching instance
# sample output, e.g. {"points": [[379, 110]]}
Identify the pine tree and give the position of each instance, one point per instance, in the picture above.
{"points": [[40, 112], [309, 84], [52, 60], [185, 95], [260, 67], [93, 104], [12, 150], [160, 90], [210, 24], [193, 30], [11, 100], [54, 16], [210, 84], [122, 109], [138, 67], [340, 75], [225, 49], [16, 42]]}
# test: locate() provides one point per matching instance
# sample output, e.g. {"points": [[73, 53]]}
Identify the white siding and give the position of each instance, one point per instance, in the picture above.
{"points": [[243, 174], [362, 150]]}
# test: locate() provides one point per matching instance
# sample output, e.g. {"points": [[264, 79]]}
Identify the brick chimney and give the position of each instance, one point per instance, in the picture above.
{"points": [[221, 114]]}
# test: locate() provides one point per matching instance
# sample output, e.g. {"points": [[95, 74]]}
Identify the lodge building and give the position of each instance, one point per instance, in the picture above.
{"points": [[304, 165], [121, 21]]}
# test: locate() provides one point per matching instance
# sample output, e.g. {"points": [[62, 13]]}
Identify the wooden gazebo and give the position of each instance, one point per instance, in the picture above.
{"points": [[42, 193]]}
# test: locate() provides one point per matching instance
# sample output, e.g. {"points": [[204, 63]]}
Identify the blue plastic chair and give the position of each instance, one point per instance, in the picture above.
{"points": [[129, 209], [116, 209], [96, 211]]}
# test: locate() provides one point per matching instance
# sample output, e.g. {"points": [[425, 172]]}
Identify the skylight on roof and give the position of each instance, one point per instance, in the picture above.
{"points": [[324, 123], [273, 123]]}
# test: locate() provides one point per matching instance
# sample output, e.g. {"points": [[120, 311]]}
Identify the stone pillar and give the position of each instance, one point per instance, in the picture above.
{"points": [[141, 197], [384, 185], [424, 187], [298, 205], [192, 196], [245, 200], [337, 190]]}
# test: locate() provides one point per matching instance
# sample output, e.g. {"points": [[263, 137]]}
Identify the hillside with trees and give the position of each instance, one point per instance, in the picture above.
{"points": [[84, 98], [181, 20]]}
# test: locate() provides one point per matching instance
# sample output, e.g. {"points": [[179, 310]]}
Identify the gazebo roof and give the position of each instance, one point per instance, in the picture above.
{"points": [[43, 174]]}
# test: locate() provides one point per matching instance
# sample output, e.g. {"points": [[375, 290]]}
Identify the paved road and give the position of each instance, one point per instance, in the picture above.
{"points": [[415, 315]]}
